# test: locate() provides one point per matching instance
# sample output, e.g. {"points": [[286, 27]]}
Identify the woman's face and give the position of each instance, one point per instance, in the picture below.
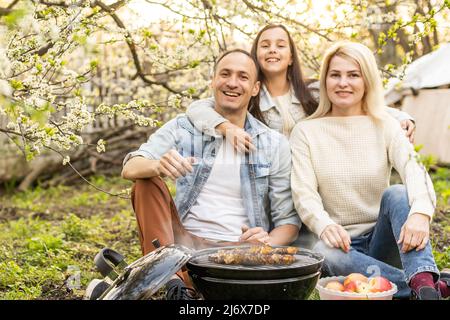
{"points": [[273, 52], [345, 86]]}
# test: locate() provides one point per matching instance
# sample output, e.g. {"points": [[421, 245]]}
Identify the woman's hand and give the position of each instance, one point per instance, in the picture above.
{"points": [[415, 233], [238, 138], [409, 127], [335, 236]]}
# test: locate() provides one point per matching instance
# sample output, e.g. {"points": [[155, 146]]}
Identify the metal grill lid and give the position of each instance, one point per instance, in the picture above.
{"points": [[144, 277]]}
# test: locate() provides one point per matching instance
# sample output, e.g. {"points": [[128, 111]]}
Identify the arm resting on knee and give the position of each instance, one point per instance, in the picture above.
{"points": [[140, 168]]}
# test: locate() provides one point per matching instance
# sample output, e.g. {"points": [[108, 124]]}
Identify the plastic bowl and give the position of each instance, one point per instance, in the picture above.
{"points": [[328, 294]]}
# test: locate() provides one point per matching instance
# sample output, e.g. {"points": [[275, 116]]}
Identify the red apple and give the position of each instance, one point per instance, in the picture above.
{"points": [[335, 285], [355, 277], [379, 284], [350, 286]]}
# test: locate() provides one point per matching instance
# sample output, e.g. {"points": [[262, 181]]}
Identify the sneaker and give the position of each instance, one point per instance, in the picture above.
{"points": [[95, 289], [177, 290], [426, 293], [445, 279]]}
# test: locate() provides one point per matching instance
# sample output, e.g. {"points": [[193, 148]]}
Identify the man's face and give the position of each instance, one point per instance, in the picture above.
{"points": [[234, 82]]}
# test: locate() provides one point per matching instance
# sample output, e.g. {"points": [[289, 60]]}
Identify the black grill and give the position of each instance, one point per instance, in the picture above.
{"points": [[262, 282], [307, 262]]}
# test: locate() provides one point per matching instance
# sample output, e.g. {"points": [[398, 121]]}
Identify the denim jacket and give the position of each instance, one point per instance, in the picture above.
{"points": [[265, 173]]}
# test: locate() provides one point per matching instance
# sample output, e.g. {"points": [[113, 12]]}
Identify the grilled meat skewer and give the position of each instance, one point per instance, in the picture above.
{"points": [[261, 250], [251, 259], [270, 250]]}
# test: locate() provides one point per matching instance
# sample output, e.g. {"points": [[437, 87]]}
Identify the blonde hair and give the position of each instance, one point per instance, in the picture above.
{"points": [[373, 99]]}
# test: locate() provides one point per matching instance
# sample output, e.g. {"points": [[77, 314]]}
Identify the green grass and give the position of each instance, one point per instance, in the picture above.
{"points": [[49, 237]]}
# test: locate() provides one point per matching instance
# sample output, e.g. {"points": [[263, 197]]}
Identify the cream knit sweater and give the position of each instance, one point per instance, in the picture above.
{"points": [[342, 165]]}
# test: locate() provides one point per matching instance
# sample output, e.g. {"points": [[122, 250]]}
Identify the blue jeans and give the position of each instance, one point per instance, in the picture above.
{"points": [[377, 252]]}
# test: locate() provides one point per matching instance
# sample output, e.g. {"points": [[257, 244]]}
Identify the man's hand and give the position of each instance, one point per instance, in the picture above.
{"points": [[255, 235], [238, 138], [409, 127], [335, 236], [173, 165], [415, 233]]}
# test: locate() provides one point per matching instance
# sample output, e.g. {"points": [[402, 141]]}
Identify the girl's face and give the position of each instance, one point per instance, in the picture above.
{"points": [[273, 52], [345, 86]]}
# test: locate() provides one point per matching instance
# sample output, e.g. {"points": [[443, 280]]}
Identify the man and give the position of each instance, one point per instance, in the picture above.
{"points": [[222, 197]]}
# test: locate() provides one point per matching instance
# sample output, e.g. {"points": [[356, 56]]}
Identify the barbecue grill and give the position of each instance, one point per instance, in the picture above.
{"points": [[142, 278], [267, 282]]}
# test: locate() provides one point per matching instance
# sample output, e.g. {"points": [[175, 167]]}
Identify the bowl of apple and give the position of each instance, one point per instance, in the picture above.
{"points": [[356, 286]]}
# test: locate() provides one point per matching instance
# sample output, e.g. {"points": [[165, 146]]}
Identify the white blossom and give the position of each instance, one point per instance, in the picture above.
{"points": [[12, 126], [66, 160], [101, 146], [5, 88]]}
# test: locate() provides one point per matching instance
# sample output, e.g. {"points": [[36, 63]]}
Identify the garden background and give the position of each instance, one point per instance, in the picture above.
{"points": [[84, 82]]}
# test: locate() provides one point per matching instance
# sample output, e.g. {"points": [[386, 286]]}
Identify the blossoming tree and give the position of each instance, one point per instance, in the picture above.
{"points": [[81, 84]]}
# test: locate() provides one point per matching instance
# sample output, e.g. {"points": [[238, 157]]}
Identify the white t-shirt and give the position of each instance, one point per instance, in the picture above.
{"points": [[219, 212]]}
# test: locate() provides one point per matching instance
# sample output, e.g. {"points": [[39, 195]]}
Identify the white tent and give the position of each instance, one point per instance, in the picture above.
{"points": [[430, 71], [424, 93]]}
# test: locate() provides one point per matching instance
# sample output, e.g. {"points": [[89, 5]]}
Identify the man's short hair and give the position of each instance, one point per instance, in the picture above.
{"points": [[225, 53]]}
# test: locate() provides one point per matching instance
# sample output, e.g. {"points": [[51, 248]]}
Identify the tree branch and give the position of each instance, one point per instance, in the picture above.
{"points": [[256, 8], [8, 9], [132, 47], [120, 195]]}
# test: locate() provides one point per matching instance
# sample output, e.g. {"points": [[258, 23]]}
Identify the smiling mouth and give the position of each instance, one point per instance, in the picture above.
{"points": [[343, 92], [231, 94], [272, 60]]}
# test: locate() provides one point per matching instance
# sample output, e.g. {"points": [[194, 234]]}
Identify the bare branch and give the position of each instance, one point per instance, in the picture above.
{"points": [[8, 9], [294, 22], [175, 11], [10, 132], [120, 195], [132, 47]]}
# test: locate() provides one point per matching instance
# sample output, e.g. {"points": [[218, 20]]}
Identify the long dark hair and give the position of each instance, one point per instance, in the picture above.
{"points": [[294, 74]]}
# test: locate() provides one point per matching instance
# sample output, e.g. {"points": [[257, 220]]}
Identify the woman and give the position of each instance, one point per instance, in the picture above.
{"points": [[342, 160], [284, 98]]}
